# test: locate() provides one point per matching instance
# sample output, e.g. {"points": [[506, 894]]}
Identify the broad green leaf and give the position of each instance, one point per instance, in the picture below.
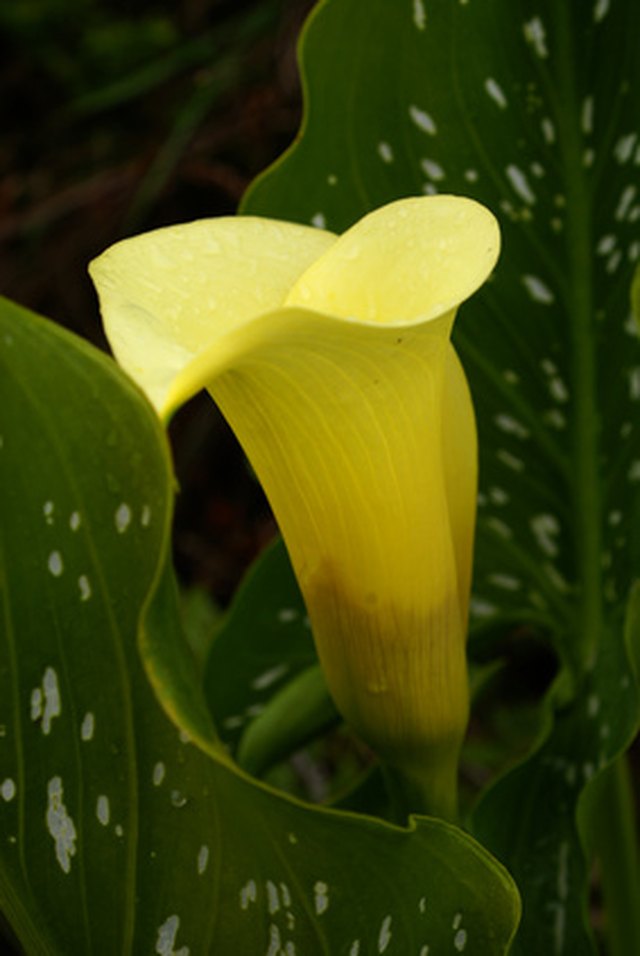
{"points": [[117, 834], [533, 110], [97, 804]]}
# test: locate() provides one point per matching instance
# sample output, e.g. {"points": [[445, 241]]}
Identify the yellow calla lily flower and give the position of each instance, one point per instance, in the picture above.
{"points": [[331, 359]]}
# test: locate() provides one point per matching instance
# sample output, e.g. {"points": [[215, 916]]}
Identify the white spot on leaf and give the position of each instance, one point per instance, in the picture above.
{"points": [[275, 942], [511, 426], [203, 859], [60, 825], [269, 677], [606, 245], [87, 727], [248, 894], [624, 147], [545, 528], [511, 461], [520, 184], [288, 614], [548, 130], [122, 517], [505, 581], [8, 789], [273, 899], [55, 564], [419, 14], [627, 196], [178, 799], [36, 703], [432, 169], [285, 895], [593, 705], [320, 897], [422, 120], [103, 810], [586, 118], [85, 587], [495, 91], [480, 608], [538, 290], [385, 934], [499, 526], [167, 932], [460, 940], [385, 152], [159, 771], [613, 261], [535, 34], [49, 695], [634, 471]]}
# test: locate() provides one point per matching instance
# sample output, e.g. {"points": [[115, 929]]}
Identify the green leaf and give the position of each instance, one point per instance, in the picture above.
{"points": [[534, 111], [529, 817], [117, 834], [84, 515], [264, 642]]}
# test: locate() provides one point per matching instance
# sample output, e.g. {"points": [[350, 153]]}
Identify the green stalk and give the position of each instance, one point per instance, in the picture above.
{"points": [[433, 793], [614, 843]]}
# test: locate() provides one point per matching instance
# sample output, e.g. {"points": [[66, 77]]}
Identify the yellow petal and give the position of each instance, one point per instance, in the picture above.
{"points": [[460, 445], [352, 407], [168, 294], [343, 425], [408, 261]]}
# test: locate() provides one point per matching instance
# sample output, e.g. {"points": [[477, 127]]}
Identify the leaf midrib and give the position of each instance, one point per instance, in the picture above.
{"points": [[587, 504]]}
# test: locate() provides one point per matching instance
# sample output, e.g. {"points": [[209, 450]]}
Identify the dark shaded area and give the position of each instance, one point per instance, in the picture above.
{"points": [[121, 116]]}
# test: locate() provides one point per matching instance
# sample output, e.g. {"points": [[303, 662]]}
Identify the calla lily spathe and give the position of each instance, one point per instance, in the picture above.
{"points": [[331, 359]]}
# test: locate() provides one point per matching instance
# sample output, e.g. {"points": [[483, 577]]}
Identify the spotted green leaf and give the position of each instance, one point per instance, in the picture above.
{"points": [[533, 110], [102, 803], [122, 832]]}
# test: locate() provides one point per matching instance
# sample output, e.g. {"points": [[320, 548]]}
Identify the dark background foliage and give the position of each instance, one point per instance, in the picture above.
{"points": [[122, 116]]}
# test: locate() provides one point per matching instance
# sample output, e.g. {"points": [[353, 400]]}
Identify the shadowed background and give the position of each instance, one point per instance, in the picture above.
{"points": [[119, 117]]}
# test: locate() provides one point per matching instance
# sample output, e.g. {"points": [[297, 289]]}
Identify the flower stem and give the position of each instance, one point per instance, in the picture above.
{"points": [[433, 793], [614, 842]]}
